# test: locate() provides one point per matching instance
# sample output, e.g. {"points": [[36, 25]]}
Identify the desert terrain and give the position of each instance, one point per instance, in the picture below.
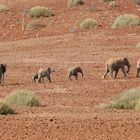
{"points": [[70, 109]]}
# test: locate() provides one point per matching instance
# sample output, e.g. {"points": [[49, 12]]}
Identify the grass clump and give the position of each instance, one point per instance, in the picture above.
{"points": [[126, 100], [35, 25], [88, 23], [113, 4], [76, 2], [3, 8], [126, 20], [5, 109], [40, 11], [22, 98]]}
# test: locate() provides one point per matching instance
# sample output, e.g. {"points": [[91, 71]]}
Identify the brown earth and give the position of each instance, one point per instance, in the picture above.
{"points": [[70, 109]]}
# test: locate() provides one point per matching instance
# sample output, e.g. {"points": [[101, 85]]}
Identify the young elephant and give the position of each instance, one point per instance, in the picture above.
{"points": [[2, 72], [74, 72], [116, 64], [138, 68], [44, 73]]}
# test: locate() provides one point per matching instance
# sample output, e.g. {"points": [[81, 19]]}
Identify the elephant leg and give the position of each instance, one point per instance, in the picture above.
{"points": [[138, 70], [111, 71], [49, 78], [123, 70], [116, 72], [82, 74], [39, 78], [76, 76], [107, 71]]}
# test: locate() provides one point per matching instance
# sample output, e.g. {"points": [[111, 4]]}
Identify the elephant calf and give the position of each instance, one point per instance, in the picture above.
{"points": [[44, 73], [116, 64], [74, 72]]}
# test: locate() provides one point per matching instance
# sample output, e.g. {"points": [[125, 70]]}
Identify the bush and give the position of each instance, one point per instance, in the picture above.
{"points": [[3, 8], [35, 25], [22, 98], [88, 23], [126, 20], [5, 109], [40, 11], [127, 100], [76, 2], [113, 4]]}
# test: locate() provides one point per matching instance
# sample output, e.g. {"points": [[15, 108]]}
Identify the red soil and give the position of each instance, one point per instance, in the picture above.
{"points": [[69, 108]]}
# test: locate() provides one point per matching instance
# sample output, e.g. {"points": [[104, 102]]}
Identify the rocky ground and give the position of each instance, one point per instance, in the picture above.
{"points": [[70, 109]]}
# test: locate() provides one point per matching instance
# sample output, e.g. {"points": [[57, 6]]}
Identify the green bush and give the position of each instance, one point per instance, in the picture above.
{"points": [[126, 20], [88, 23], [76, 2], [3, 8], [40, 11], [5, 109], [126, 100], [22, 98], [35, 25]]}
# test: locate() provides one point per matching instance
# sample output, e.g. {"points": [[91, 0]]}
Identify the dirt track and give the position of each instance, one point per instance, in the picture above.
{"points": [[70, 109]]}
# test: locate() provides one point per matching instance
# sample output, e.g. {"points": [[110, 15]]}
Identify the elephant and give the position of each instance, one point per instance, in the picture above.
{"points": [[114, 64]]}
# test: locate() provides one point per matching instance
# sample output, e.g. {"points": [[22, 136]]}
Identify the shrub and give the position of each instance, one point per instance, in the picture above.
{"points": [[5, 109], [138, 45], [126, 100], [35, 25], [40, 11], [88, 23], [22, 98], [76, 2], [113, 4], [3, 8], [126, 20]]}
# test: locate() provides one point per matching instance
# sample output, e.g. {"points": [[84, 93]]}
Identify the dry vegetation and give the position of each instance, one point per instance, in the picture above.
{"points": [[22, 98]]}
